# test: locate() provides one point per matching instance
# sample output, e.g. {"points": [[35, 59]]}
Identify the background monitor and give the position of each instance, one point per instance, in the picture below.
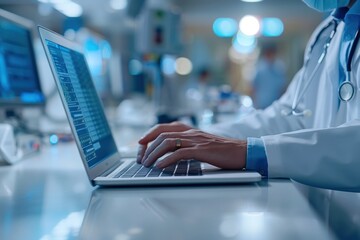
{"points": [[19, 78]]}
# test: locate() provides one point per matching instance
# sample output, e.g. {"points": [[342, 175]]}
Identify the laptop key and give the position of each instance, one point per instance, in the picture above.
{"points": [[195, 172], [123, 171], [132, 171], [166, 174], [143, 172], [155, 172], [181, 171], [182, 168], [178, 174]]}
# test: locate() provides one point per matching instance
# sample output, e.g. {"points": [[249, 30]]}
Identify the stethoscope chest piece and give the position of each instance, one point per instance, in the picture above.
{"points": [[346, 91], [347, 88]]}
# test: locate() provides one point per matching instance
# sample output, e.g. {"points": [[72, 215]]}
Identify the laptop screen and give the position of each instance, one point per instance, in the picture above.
{"points": [[81, 99]]}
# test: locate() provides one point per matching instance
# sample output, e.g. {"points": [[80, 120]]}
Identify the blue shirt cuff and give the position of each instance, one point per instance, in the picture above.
{"points": [[256, 156]]}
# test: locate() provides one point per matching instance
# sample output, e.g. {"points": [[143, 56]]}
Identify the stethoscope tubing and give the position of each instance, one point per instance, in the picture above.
{"points": [[352, 51], [298, 94], [346, 89]]}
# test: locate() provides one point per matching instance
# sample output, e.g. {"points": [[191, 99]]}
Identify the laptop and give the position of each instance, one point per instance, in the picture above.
{"points": [[101, 158]]}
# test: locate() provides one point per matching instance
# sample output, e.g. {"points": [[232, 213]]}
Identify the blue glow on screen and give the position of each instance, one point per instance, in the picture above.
{"points": [[272, 27], [19, 80], [32, 97], [225, 27]]}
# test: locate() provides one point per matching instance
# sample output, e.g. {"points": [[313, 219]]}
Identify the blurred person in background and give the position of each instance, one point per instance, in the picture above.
{"points": [[269, 79]]}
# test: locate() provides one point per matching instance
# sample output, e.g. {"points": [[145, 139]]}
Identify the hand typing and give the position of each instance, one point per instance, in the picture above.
{"points": [[184, 142]]}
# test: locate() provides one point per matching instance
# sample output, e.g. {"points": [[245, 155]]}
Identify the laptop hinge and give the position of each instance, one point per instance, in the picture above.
{"points": [[110, 170]]}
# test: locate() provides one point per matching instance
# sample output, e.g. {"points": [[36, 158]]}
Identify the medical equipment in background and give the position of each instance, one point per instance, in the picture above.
{"points": [[158, 35], [9, 152], [346, 89], [15, 145], [159, 32]]}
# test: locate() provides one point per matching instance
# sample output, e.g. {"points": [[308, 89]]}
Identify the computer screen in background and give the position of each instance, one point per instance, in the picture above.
{"points": [[19, 78]]}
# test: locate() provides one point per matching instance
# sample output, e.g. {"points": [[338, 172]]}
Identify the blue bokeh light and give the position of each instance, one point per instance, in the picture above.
{"points": [[272, 27], [168, 65], [93, 55], [135, 67], [53, 139], [244, 44], [245, 40], [225, 27], [106, 49]]}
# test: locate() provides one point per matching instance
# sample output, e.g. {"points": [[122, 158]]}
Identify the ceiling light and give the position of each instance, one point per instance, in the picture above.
{"points": [[69, 8], [245, 40], [118, 4], [183, 66], [272, 27], [224, 27], [168, 65], [249, 25]]}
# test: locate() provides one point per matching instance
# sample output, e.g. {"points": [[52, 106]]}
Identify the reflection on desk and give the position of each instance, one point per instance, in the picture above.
{"points": [[269, 210], [339, 210], [38, 194], [48, 196]]}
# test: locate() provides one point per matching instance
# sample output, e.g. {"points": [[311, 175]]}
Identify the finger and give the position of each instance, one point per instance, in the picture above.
{"points": [[140, 153], [162, 137], [168, 145], [154, 145], [161, 149], [155, 131], [181, 154]]}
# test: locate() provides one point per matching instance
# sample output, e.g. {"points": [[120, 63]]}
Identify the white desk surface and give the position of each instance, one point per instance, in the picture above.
{"points": [[48, 196]]}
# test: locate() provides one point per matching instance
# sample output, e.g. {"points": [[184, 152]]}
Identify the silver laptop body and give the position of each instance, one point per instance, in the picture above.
{"points": [[91, 130]]}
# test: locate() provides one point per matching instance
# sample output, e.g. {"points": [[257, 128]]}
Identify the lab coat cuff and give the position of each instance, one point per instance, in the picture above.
{"points": [[256, 156], [276, 168]]}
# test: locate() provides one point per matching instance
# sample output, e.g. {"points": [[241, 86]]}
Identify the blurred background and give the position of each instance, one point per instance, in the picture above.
{"points": [[156, 61]]}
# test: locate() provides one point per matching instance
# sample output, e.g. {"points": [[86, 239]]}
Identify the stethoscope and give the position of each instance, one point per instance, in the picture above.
{"points": [[346, 89]]}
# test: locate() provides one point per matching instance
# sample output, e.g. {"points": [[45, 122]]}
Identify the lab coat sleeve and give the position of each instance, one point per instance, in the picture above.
{"points": [[269, 121], [327, 158]]}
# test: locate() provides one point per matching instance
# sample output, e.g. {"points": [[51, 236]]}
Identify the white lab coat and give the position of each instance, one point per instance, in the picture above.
{"points": [[322, 150]]}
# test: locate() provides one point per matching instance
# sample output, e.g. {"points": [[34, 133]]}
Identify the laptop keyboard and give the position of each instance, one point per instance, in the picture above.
{"points": [[182, 168]]}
